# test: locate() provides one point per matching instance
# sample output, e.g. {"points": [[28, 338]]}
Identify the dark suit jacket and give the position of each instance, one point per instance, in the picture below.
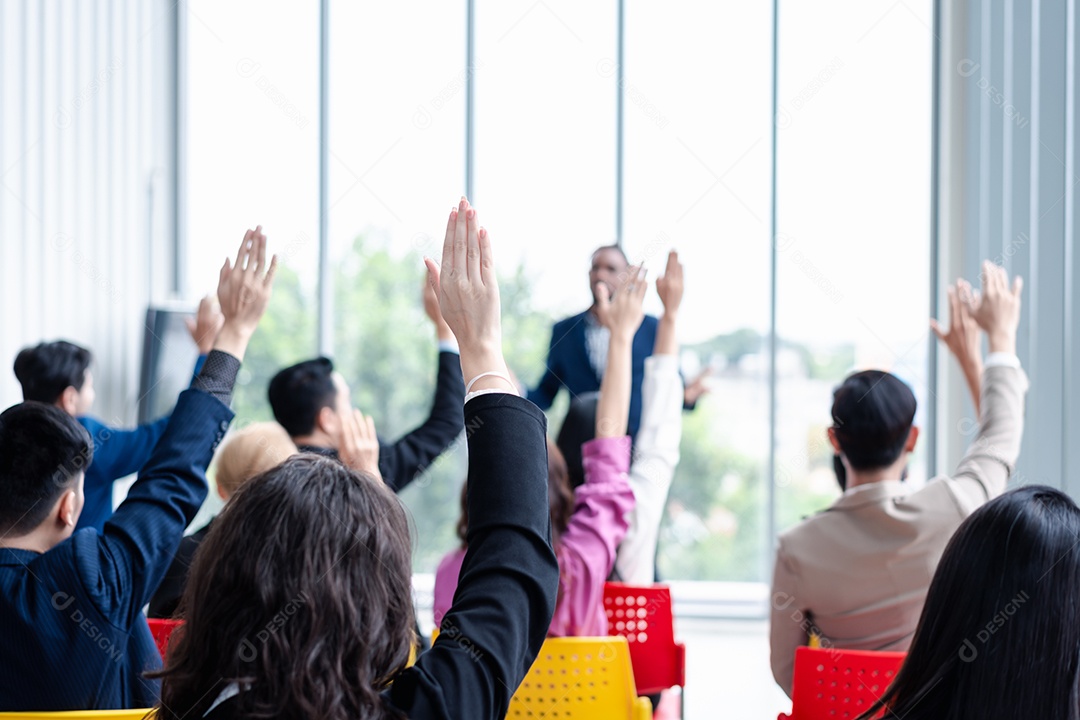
{"points": [[117, 454], [568, 365], [74, 636], [167, 598], [506, 594]]}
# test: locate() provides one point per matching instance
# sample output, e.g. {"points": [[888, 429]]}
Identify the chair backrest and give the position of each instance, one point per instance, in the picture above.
{"points": [[643, 615], [831, 683], [137, 714], [581, 677], [162, 630]]}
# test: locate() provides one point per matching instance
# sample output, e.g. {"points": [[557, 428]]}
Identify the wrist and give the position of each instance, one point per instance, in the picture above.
{"points": [[443, 332], [233, 340], [621, 338], [1003, 342]]}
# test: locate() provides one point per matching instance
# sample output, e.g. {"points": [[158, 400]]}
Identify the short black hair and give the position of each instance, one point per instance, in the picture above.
{"points": [[872, 415], [299, 392], [42, 452], [46, 370]]}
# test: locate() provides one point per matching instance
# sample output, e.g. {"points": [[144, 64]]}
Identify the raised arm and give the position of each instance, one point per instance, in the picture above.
{"points": [[138, 543], [963, 338], [509, 579], [622, 315], [656, 452], [986, 466]]}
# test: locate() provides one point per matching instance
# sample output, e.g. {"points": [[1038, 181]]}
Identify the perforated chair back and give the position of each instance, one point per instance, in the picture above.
{"points": [[580, 679], [138, 714], [643, 615], [162, 630], [840, 684]]}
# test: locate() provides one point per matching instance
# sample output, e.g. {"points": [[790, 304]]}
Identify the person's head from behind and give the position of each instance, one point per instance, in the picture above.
{"points": [[999, 634], [873, 425], [608, 263], [57, 373], [250, 452], [309, 399], [43, 455], [301, 593], [578, 428], [560, 498]]}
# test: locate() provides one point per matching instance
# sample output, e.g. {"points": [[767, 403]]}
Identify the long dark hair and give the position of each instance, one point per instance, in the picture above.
{"points": [[300, 594], [999, 634]]}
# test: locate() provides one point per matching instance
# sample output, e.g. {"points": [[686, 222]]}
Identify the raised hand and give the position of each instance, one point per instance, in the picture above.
{"points": [[431, 308], [357, 444], [670, 286], [997, 308], [962, 338], [206, 324], [469, 296], [622, 313], [244, 292]]}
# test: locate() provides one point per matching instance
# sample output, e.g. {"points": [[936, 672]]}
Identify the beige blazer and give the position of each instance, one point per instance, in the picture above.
{"points": [[857, 573]]}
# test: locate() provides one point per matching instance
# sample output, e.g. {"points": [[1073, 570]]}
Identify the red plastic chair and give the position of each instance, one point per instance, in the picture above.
{"points": [[162, 630], [642, 615], [838, 684]]}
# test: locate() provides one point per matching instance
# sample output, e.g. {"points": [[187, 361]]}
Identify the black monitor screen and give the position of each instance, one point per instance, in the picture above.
{"points": [[168, 360]]}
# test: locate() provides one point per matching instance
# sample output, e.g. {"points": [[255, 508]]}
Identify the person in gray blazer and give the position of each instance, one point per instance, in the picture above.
{"points": [[856, 575]]}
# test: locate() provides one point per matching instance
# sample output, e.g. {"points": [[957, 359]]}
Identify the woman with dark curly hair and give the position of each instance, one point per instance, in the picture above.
{"points": [[299, 601]]}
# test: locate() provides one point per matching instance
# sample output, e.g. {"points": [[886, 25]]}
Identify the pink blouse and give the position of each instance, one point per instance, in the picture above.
{"points": [[587, 551]]}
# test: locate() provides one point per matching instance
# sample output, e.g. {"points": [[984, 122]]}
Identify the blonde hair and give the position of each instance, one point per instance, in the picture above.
{"points": [[250, 452]]}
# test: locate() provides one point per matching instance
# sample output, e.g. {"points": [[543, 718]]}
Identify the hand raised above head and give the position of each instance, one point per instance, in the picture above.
{"points": [[623, 313], [244, 292], [670, 286], [468, 293], [997, 308], [962, 338], [206, 324]]}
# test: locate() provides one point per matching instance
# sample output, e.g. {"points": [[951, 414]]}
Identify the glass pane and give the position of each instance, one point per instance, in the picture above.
{"points": [[252, 156], [697, 179], [853, 225], [397, 165], [545, 143]]}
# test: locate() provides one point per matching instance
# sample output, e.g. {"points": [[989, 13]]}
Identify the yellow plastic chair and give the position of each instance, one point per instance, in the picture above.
{"points": [[583, 677], [137, 714]]}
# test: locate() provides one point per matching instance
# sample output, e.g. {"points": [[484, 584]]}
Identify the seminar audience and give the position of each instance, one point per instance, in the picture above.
{"points": [[310, 400], [586, 539], [58, 373], [300, 605], [75, 637], [856, 575]]}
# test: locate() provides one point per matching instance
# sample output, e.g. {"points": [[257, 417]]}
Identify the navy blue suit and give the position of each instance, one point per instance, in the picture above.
{"points": [[568, 365], [73, 633]]}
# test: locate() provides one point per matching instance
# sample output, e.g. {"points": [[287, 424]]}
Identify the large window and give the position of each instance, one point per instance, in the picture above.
{"points": [[396, 149], [253, 158], [853, 196], [697, 158], [852, 189]]}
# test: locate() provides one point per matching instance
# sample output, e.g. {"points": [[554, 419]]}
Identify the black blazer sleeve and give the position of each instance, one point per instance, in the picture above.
{"points": [[402, 461], [509, 580]]}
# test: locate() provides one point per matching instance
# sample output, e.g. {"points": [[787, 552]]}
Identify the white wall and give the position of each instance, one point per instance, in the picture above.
{"points": [[1008, 191], [86, 228]]}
